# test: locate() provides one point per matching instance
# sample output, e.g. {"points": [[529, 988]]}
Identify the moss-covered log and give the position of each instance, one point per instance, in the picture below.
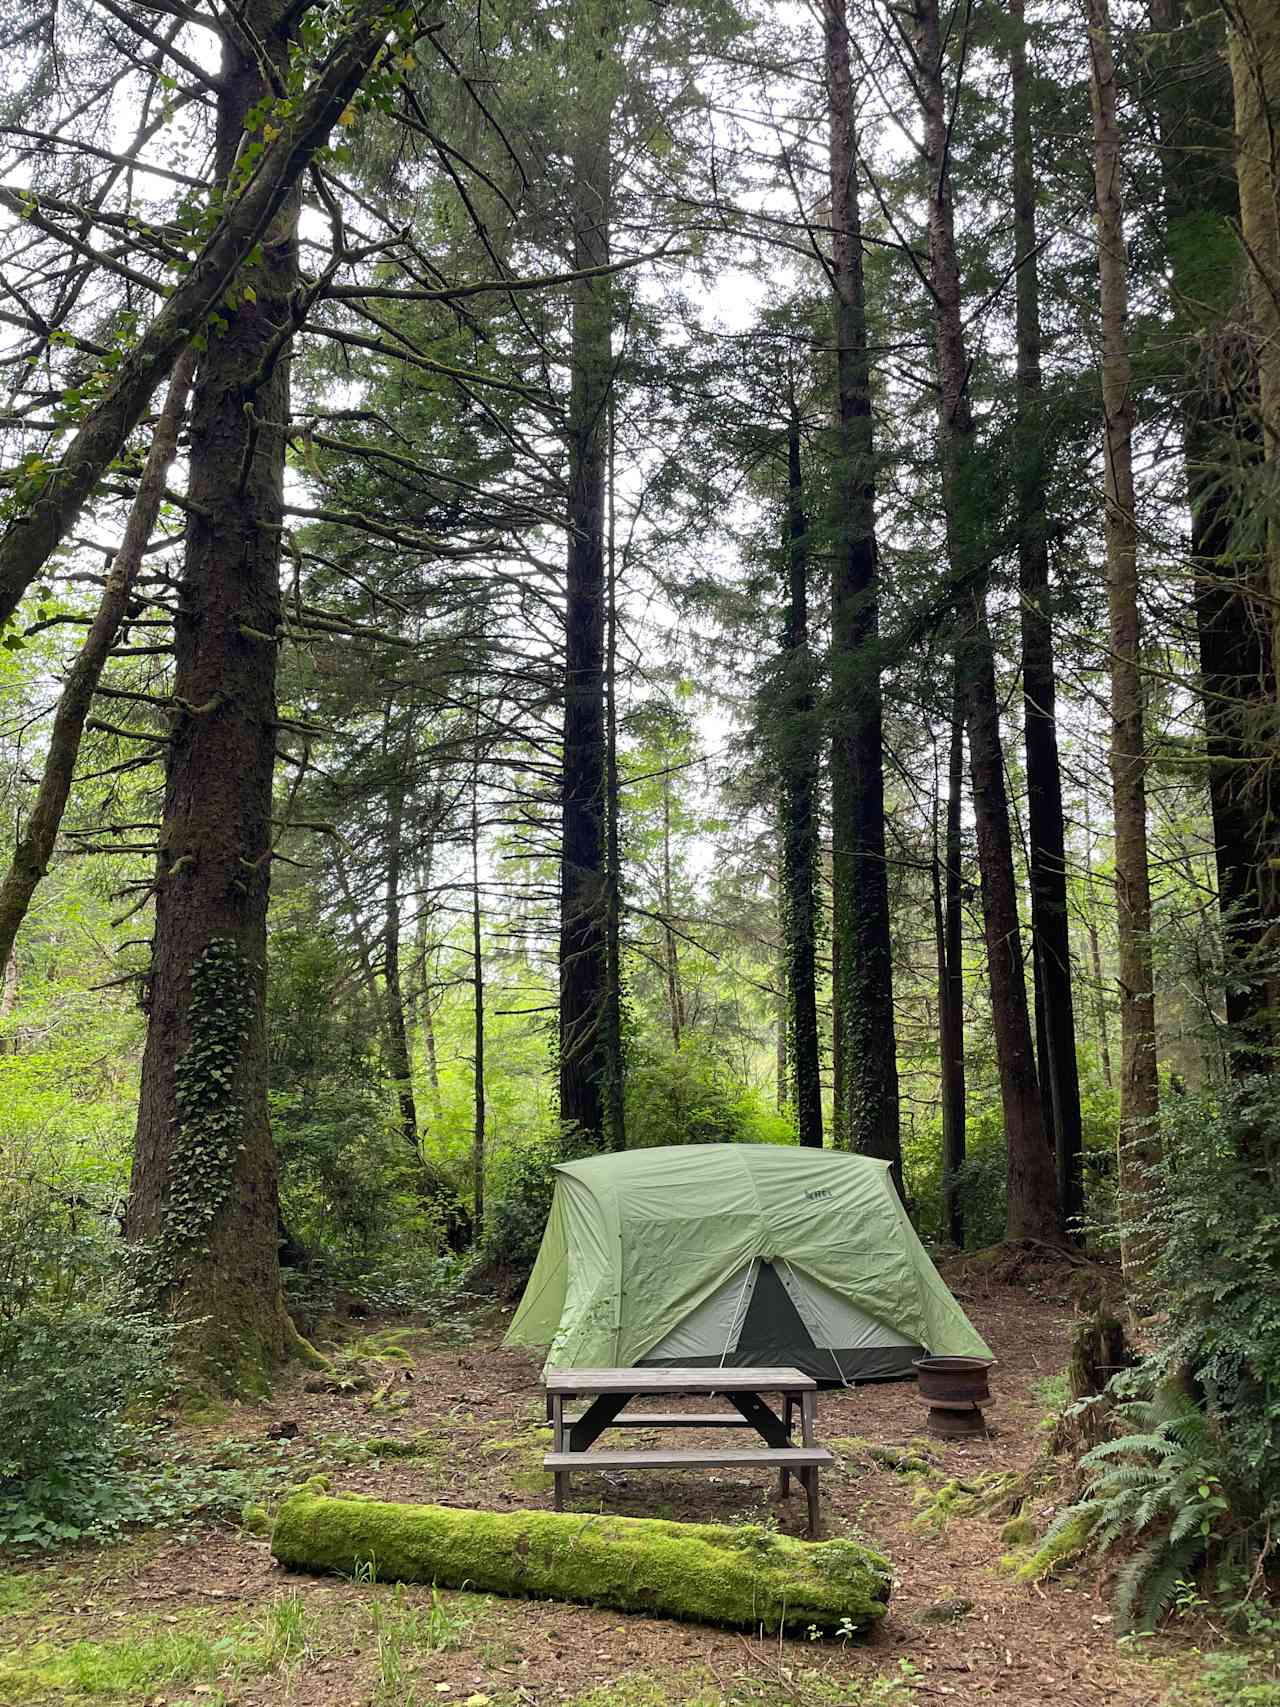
{"points": [[743, 1577]]}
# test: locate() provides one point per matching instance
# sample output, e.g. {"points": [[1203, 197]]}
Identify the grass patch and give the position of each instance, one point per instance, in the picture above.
{"points": [[204, 1652], [404, 1628], [781, 1686], [21, 1591]]}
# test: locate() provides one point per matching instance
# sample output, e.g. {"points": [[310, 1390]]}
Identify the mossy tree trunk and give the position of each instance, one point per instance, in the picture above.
{"points": [[867, 1103], [708, 1572], [203, 1194]]}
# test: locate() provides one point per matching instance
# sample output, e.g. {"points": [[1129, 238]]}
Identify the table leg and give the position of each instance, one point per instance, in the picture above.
{"points": [[556, 1413], [788, 1411], [811, 1490], [596, 1418], [766, 1421], [562, 1489], [808, 1413]]}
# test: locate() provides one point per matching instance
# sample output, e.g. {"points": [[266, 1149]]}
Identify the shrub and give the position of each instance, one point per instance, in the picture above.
{"points": [[690, 1097], [521, 1187], [70, 1375], [1194, 1487]]}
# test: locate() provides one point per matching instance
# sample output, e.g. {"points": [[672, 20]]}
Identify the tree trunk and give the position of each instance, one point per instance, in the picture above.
{"points": [[866, 1114], [399, 1058], [1030, 1177], [40, 833], [425, 1003], [799, 765], [1221, 444], [1095, 953], [949, 919], [584, 1063], [671, 958], [1050, 928], [615, 1111], [477, 961], [1139, 1088], [203, 1193], [781, 1065], [1255, 75]]}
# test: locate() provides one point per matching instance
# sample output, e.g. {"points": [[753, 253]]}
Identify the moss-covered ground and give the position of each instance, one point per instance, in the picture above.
{"points": [[198, 1615]]}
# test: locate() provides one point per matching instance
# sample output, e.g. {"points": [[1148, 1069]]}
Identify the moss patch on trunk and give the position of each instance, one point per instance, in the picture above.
{"points": [[708, 1572]]}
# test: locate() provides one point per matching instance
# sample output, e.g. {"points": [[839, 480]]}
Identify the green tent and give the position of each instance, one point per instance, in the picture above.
{"points": [[737, 1254]]}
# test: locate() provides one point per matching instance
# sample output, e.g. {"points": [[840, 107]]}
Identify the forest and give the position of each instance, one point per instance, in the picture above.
{"points": [[600, 575]]}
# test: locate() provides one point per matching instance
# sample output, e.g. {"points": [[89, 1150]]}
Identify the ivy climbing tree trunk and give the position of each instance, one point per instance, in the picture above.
{"points": [[798, 763], [866, 1114], [203, 1196], [584, 1038], [1139, 1087], [1030, 1176], [1047, 856]]}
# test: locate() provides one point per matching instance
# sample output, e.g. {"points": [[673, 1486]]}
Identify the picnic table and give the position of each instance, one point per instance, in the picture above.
{"points": [[611, 1391]]}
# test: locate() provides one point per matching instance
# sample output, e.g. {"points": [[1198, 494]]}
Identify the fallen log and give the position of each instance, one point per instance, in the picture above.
{"points": [[748, 1577]]}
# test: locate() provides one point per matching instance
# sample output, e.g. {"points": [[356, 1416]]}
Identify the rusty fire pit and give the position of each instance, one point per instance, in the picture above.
{"points": [[955, 1390]]}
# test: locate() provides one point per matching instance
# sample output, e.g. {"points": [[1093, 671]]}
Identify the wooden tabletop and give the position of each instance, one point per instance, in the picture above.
{"points": [[677, 1381]]}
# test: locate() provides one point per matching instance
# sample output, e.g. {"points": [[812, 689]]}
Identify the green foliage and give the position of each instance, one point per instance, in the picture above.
{"points": [[1191, 1486], [351, 1189], [521, 1190], [202, 1651], [689, 1097], [1155, 1489], [69, 1376]]}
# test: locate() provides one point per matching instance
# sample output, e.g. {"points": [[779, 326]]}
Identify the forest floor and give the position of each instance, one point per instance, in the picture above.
{"points": [[202, 1617]]}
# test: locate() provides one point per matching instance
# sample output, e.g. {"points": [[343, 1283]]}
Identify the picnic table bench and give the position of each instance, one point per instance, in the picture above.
{"points": [[610, 1391]]}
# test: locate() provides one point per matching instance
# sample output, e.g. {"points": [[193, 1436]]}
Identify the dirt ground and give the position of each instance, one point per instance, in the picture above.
{"points": [[958, 1627]]}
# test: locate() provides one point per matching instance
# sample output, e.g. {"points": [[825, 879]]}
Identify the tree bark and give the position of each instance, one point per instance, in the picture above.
{"points": [[31, 538], [949, 916], [615, 1111], [399, 1057], [203, 1196], [867, 1110], [1255, 76], [799, 765], [671, 957], [36, 844], [1139, 1087], [1030, 1176], [584, 1061], [1050, 927], [477, 960], [1191, 96]]}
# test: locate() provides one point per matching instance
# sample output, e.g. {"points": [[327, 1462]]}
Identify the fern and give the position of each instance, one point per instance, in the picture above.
{"points": [[1158, 1491]]}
